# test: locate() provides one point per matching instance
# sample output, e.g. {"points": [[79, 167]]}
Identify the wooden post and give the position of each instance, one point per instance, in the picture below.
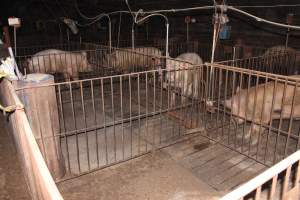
{"points": [[42, 112]]}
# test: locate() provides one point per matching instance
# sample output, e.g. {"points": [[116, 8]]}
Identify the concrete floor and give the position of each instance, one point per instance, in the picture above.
{"points": [[12, 181], [151, 177]]}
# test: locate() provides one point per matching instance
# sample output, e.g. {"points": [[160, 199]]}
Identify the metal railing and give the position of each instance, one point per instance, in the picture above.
{"points": [[105, 120], [278, 182]]}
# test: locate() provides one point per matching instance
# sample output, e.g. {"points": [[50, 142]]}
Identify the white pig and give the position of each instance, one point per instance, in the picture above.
{"points": [[58, 61], [185, 80], [128, 60], [255, 105]]}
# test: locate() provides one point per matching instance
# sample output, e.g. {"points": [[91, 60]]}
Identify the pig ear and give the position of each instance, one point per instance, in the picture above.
{"points": [[238, 89]]}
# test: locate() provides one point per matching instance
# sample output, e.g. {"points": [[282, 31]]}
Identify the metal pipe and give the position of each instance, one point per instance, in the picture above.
{"points": [[167, 39], [132, 36], [119, 30], [15, 39]]}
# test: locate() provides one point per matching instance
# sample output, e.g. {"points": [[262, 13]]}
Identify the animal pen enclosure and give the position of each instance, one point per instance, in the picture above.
{"points": [[108, 120]]}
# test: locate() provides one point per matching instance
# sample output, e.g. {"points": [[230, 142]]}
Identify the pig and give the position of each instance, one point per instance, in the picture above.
{"points": [[126, 60], [58, 61], [248, 105], [186, 80], [271, 59]]}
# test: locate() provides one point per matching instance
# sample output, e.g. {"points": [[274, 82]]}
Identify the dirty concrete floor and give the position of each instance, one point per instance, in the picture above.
{"points": [[149, 177], [12, 181]]}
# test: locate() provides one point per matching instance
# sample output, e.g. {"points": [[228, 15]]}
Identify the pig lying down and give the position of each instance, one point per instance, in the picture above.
{"points": [[187, 81], [264, 102], [128, 60], [58, 61]]}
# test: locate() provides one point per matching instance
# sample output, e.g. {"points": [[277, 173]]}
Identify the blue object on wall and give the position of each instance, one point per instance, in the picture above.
{"points": [[225, 32]]}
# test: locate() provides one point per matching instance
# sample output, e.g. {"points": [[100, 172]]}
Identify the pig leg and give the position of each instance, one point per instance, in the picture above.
{"points": [[172, 105], [253, 133], [256, 129]]}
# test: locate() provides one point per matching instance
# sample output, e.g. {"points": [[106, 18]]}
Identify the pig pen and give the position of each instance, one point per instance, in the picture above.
{"points": [[96, 55], [123, 130]]}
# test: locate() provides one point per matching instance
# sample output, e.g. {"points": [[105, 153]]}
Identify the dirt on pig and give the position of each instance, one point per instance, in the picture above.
{"points": [[149, 177]]}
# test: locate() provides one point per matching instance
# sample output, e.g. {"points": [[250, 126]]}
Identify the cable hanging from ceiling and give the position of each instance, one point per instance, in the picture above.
{"points": [[222, 7]]}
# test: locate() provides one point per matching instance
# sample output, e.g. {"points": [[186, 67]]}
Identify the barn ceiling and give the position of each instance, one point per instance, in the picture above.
{"points": [[58, 8]]}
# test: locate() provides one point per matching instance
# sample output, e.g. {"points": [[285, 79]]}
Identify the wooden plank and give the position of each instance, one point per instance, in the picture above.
{"points": [[213, 166], [213, 171], [40, 182], [42, 112], [212, 160], [232, 171], [242, 177]]}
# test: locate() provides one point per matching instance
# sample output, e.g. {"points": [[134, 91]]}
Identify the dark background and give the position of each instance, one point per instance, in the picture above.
{"points": [[41, 21]]}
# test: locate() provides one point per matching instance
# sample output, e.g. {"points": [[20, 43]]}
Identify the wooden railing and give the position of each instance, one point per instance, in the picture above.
{"points": [[38, 178]]}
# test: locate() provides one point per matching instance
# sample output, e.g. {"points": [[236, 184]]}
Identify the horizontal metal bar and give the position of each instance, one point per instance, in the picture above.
{"points": [[259, 180]]}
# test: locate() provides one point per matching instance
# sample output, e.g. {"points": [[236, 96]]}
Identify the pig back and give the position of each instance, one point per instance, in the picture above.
{"points": [[270, 98], [289, 60], [126, 60], [58, 61]]}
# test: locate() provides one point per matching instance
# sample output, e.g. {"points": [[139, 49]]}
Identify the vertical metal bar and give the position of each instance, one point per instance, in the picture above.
{"points": [[254, 110], [291, 120], [239, 95], [122, 116], [95, 121], [154, 107], [280, 122], [286, 181], [271, 119], [258, 193], [220, 83], [246, 108], [183, 96], [130, 113], [104, 119], [75, 125], [64, 126], [161, 107], [147, 111], [224, 107], [139, 113], [261, 117], [85, 125], [231, 114], [273, 187], [113, 116]]}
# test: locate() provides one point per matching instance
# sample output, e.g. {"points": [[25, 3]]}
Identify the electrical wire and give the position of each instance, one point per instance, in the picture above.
{"points": [[83, 15], [128, 6], [263, 20], [269, 6], [94, 21], [204, 8]]}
